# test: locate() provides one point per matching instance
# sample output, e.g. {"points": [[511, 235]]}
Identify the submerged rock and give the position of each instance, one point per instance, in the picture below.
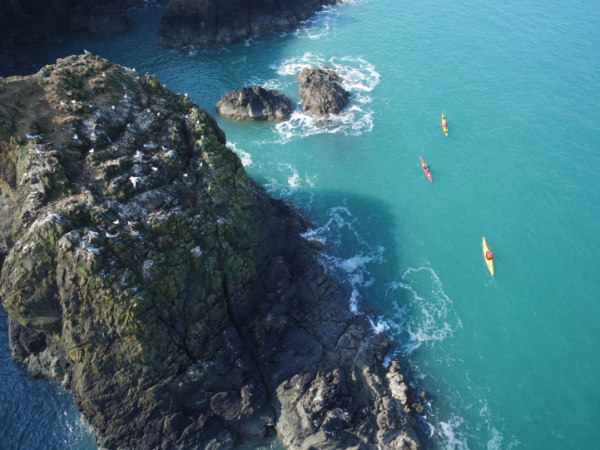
{"points": [[255, 103], [322, 92], [206, 23], [178, 301]]}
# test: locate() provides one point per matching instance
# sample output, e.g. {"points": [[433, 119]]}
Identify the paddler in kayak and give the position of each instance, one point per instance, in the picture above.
{"points": [[489, 255], [426, 168]]}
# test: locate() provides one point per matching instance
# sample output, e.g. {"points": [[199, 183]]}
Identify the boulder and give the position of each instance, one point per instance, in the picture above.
{"points": [[322, 92], [255, 103]]}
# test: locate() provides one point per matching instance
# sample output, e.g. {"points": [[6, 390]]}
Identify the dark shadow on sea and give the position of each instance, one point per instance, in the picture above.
{"points": [[373, 218]]}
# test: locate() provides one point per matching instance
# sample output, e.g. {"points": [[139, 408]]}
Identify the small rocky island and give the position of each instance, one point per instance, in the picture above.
{"points": [[255, 103], [321, 90], [143, 269]]}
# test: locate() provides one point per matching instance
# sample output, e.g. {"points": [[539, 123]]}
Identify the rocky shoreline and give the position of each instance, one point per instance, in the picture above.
{"points": [[205, 23], [201, 23], [177, 300]]}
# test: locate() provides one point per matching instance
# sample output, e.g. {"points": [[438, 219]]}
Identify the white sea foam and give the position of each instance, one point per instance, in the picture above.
{"points": [[430, 308], [272, 83], [244, 156], [352, 270], [359, 78], [450, 435], [495, 442]]}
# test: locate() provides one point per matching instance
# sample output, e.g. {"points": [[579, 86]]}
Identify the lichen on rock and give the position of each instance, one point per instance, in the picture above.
{"points": [[178, 301]]}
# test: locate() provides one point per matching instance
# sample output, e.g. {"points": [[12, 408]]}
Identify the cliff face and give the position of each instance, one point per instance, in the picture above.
{"points": [[26, 22], [203, 23], [206, 23], [144, 269]]}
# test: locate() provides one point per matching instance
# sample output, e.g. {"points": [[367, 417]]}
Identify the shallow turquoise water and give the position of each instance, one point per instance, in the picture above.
{"points": [[510, 361]]}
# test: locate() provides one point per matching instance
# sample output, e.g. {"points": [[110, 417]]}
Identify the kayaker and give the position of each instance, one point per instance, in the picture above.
{"points": [[426, 168], [489, 255]]}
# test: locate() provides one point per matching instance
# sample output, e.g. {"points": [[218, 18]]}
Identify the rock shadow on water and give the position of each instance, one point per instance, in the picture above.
{"points": [[352, 231]]}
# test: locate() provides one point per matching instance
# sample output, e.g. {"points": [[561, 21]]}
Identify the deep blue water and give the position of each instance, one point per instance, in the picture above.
{"points": [[511, 361]]}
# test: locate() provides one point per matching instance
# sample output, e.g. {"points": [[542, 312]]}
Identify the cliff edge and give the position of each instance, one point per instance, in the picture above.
{"points": [[144, 269], [206, 23]]}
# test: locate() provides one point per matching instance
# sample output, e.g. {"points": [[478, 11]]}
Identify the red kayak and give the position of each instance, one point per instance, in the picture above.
{"points": [[425, 168]]}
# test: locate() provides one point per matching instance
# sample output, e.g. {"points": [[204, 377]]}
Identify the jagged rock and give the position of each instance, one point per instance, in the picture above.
{"points": [[322, 92], [180, 305], [206, 23], [255, 103]]}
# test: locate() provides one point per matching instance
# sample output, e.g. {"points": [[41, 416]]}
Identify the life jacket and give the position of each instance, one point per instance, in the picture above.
{"points": [[489, 255]]}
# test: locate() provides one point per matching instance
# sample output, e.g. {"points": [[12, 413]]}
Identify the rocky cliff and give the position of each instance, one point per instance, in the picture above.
{"points": [[26, 22], [206, 23], [144, 269]]}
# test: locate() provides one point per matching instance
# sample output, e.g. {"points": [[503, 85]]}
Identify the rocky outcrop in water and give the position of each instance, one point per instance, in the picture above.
{"points": [[255, 103], [322, 92], [206, 23], [144, 269]]}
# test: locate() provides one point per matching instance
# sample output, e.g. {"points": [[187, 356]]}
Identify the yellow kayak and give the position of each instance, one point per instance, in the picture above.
{"points": [[489, 262], [445, 127]]}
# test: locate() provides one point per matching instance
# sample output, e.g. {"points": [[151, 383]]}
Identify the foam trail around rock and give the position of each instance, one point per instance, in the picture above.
{"points": [[359, 78]]}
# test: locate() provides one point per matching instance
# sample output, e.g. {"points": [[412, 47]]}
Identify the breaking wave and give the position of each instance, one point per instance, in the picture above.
{"points": [[244, 156], [359, 78]]}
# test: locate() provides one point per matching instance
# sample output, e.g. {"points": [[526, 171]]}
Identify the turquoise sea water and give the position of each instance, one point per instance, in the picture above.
{"points": [[510, 361]]}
